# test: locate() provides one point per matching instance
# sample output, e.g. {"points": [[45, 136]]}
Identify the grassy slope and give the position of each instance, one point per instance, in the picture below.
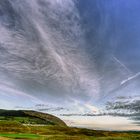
{"points": [[13, 129], [54, 132], [37, 117], [47, 117]]}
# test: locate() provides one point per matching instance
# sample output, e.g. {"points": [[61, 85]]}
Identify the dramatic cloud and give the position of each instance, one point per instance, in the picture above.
{"points": [[43, 50], [125, 106], [73, 53]]}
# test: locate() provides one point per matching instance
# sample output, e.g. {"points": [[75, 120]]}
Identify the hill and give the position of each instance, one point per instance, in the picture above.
{"points": [[32, 125], [30, 117]]}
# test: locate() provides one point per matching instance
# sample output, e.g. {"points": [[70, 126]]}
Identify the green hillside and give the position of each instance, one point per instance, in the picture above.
{"points": [[32, 125], [30, 117]]}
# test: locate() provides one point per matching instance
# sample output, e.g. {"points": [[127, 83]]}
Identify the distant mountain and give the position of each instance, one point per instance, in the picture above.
{"points": [[30, 117]]}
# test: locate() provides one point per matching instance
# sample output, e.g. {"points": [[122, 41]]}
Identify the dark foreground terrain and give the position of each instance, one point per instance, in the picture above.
{"points": [[32, 125]]}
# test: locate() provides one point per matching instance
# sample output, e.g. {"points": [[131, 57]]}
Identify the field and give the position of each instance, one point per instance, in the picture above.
{"points": [[16, 130], [32, 125]]}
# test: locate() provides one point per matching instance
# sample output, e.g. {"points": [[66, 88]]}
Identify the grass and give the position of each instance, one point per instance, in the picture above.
{"points": [[30, 117], [63, 137], [13, 126], [64, 133], [25, 120], [21, 136], [18, 125], [116, 138]]}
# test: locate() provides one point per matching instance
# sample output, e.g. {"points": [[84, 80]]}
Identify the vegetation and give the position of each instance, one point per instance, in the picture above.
{"points": [[30, 117], [21, 136], [32, 126]]}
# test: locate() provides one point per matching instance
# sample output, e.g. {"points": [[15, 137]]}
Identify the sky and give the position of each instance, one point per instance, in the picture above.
{"points": [[72, 58]]}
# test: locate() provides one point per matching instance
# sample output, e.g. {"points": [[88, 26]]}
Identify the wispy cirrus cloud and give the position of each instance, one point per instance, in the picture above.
{"points": [[43, 52]]}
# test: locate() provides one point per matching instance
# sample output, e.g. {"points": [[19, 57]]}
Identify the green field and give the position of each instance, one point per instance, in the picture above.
{"points": [[26, 120], [63, 137], [21, 136], [15, 130], [31, 125]]}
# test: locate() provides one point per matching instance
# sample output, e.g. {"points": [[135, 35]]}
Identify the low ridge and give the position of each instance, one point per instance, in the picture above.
{"points": [[30, 117]]}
